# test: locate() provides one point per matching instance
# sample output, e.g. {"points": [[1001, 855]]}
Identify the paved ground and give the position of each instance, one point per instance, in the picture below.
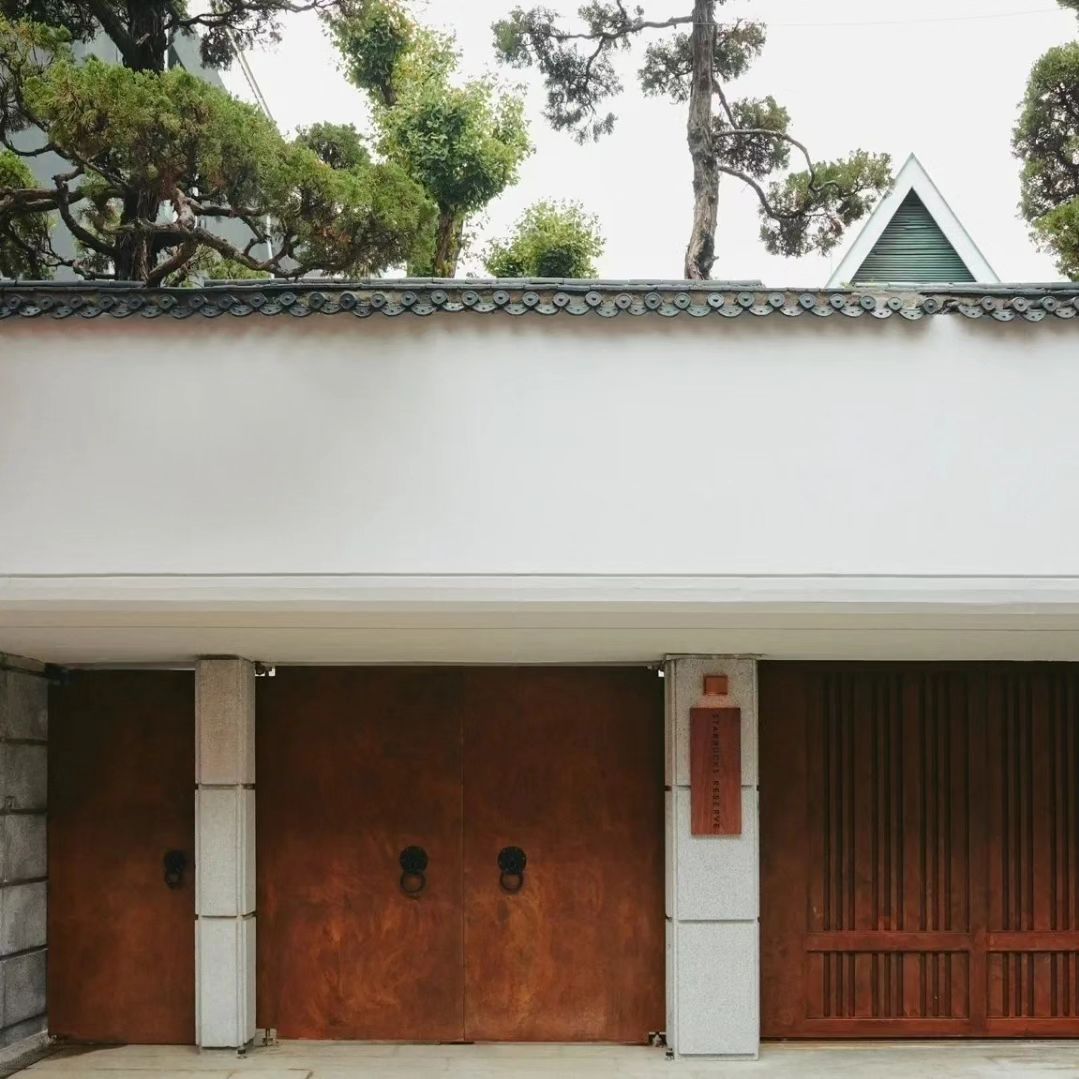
{"points": [[321, 1060]]}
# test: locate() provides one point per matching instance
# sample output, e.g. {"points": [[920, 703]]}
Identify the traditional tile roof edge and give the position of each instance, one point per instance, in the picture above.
{"points": [[423, 297]]}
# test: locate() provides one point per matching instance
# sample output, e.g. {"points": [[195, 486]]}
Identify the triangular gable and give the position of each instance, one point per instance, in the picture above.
{"points": [[913, 236]]}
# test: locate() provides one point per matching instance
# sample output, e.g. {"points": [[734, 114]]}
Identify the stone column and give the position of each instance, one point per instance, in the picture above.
{"points": [[23, 865], [713, 931], [225, 853]]}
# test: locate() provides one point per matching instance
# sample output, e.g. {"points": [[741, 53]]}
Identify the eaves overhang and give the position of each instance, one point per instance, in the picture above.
{"points": [[426, 297]]}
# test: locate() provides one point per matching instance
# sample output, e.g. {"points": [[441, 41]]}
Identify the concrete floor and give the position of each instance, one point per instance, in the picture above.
{"points": [[339, 1060]]}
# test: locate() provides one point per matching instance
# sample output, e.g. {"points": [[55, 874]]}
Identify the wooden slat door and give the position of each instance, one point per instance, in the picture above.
{"points": [[355, 765], [919, 850], [121, 794], [1032, 819], [567, 765]]}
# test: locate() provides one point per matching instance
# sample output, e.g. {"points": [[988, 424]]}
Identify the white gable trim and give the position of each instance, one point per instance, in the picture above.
{"points": [[913, 177]]}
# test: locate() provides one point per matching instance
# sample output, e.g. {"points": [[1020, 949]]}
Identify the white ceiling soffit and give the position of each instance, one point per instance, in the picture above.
{"points": [[913, 177], [168, 620]]}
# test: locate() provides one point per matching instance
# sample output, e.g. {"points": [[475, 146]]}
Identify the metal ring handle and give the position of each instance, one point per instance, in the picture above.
{"points": [[511, 869], [511, 883], [413, 884], [175, 862], [413, 862]]}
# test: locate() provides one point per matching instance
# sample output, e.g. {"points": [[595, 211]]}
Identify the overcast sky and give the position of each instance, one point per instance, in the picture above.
{"points": [[941, 78]]}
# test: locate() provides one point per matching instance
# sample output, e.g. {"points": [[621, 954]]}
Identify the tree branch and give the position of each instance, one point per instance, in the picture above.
{"points": [[717, 88], [214, 210], [769, 209], [26, 200], [63, 204], [616, 35], [200, 236], [48, 147], [766, 132], [780, 136], [766, 205], [236, 11], [114, 27], [184, 254]]}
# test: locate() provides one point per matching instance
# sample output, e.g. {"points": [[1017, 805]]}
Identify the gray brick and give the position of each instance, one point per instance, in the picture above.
{"points": [[23, 846], [23, 706], [22, 979], [717, 875], [26, 1029], [718, 989], [22, 917], [23, 776]]}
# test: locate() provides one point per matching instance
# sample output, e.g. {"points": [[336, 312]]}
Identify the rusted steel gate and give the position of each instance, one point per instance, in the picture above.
{"points": [[457, 854], [121, 857]]}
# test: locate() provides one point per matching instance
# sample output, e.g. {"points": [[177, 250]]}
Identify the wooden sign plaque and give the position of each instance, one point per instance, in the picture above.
{"points": [[715, 771]]}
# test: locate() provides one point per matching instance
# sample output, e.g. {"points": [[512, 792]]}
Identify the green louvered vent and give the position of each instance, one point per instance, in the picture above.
{"points": [[913, 248]]}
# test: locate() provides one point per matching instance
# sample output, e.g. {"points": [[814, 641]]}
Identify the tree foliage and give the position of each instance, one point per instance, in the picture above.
{"points": [[340, 146], [24, 240], [160, 161], [463, 144], [376, 40], [1046, 139], [550, 240], [694, 61], [142, 30]]}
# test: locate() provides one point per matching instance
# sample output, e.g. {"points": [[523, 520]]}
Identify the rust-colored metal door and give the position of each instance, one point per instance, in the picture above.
{"points": [[920, 850], [355, 766], [121, 797], [566, 766]]}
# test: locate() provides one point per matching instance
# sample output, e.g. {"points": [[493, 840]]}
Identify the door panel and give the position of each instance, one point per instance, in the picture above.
{"points": [[1032, 947], [354, 766], [919, 850], [121, 794], [566, 764]]}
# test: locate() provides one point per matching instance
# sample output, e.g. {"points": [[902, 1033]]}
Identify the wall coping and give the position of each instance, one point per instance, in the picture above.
{"points": [[425, 297]]}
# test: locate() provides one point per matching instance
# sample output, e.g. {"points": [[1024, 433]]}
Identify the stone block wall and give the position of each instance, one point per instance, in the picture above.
{"points": [[225, 853], [713, 981], [23, 850]]}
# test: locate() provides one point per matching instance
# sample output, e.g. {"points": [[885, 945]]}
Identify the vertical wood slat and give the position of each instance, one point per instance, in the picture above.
{"points": [[1042, 999], [816, 972], [864, 892], [1069, 777], [834, 794], [980, 802], [913, 875], [791, 899]]}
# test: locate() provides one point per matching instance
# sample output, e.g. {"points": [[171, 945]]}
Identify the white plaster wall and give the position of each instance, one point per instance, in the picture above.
{"points": [[497, 445]]}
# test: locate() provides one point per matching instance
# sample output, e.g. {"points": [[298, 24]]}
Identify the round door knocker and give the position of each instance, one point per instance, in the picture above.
{"points": [[175, 862], [511, 869], [413, 871]]}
